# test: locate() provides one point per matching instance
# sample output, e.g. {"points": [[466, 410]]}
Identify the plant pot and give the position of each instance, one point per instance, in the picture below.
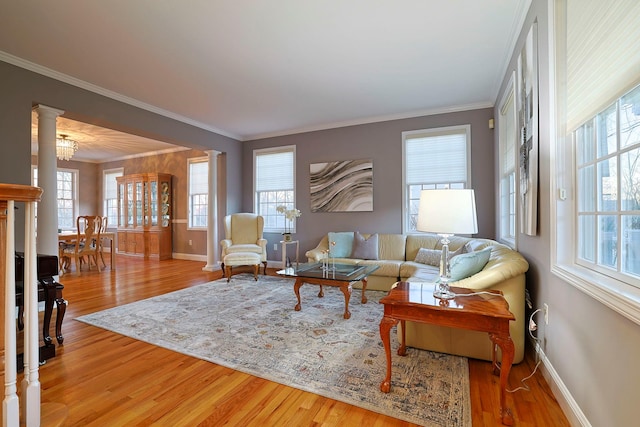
{"points": [[286, 237]]}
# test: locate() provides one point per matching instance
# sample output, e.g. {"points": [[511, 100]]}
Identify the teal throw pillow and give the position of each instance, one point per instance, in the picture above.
{"points": [[466, 265], [343, 244]]}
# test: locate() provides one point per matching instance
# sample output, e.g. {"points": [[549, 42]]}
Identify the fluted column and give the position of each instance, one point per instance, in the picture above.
{"points": [[47, 242], [212, 211]]}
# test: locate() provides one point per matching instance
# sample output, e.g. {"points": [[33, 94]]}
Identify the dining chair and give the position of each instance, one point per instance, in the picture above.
{"points": [[87, 244], [103, 228]]}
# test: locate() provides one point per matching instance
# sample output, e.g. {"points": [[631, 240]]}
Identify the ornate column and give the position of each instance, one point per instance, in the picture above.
{"points": [[212, 211], [47, 180]]}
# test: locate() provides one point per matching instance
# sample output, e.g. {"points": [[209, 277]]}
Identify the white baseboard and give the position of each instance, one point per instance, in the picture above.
{"points": [[566, 401], [189, 257]]}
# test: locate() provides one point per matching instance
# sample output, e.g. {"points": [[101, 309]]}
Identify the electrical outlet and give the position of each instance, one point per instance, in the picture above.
{"points": [[275, 246], [546, 313], [190, 242]]}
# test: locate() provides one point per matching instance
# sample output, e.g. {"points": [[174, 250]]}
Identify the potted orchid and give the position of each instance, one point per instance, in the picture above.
{"points": [[290, 216]]}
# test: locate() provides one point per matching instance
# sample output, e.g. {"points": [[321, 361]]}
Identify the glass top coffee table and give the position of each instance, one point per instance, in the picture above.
{"points": [[342, 276]]}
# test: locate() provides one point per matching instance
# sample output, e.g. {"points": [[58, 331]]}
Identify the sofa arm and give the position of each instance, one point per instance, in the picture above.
{"points": [[316, 254], [263, 244], [503, 265]]}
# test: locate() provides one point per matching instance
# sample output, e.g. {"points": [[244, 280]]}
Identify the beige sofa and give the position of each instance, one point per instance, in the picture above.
{"points": [[505, 271]]}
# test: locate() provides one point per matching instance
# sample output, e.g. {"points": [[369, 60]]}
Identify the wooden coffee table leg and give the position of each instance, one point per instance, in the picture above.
{"points": [[385, 330], [296, 289], [506, 345], [346, 290], [364, 288]]}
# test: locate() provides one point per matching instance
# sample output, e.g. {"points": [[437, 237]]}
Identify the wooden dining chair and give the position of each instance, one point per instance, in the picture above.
{"points": [[103, 229], [88, 242]]}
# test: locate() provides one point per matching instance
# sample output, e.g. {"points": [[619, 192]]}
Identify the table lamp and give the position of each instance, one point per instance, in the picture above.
{"points": [[447, 212]]}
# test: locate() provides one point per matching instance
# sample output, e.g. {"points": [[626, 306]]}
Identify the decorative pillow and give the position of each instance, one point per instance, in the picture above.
{"points": [[428, 256], [364, 248], [433, 256], [343, 244], [466, 265]]}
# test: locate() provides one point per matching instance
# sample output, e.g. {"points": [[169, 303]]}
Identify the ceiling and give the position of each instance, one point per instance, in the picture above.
{"points": [[253, 69]]}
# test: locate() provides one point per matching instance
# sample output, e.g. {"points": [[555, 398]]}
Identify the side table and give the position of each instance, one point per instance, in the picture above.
{"points": [[284, 244], [486, 312]]}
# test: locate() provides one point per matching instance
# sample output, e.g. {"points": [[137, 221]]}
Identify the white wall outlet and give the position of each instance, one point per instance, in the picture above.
{"points": [[190, 242], [546, 313], [275, 246]]}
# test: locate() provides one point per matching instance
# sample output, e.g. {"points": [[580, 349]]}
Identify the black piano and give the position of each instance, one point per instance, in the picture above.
{"points": [[50, 292]]}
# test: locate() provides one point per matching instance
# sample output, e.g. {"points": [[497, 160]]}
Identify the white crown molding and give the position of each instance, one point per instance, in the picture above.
{"points": [[375, 119], [23, 63]]}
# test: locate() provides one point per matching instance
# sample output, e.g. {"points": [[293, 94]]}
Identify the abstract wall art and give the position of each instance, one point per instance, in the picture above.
{"points": [[342, 186]]}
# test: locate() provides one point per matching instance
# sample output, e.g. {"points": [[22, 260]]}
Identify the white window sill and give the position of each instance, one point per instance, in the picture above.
{"points": [[619, 296]]}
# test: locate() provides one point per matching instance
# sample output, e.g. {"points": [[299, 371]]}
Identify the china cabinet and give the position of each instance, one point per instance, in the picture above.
{"points": [[144, 215]]}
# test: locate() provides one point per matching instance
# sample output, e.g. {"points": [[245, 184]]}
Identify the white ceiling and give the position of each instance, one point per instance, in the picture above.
{"points": [[252, 69]]}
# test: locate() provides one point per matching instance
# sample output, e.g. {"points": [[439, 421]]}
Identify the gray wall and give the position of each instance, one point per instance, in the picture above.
{"points": [[592, 349], [20, 90], [381, 142]]}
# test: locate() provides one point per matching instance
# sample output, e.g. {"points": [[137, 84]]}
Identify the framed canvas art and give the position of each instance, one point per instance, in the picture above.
{"points": [[341, 186]]}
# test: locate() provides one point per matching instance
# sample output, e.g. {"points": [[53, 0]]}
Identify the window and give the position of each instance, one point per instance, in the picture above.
{"points": [[595, 120], [508, 141], [110, 192], [608, 188], [274, 172], [67, 194], [198, 192], [433, 159]]}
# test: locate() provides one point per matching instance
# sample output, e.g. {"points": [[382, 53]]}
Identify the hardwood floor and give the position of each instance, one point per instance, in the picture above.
{"points": [[99, 378]]}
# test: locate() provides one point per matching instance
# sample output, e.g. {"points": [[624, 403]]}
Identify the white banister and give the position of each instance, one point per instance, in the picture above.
{"points": [[9, 194]]}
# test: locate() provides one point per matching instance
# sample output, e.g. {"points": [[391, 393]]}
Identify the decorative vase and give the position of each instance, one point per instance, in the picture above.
{"points": [[286, 237]]}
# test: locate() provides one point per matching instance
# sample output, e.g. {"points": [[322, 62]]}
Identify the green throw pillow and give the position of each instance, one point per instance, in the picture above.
{"points": [[343, 244], [466, 265]]}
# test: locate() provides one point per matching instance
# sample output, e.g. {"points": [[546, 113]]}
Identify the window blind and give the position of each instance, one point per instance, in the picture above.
{"points": [[111, 185], [436, 158], [274, 171], [198, 177], [603, 55]]}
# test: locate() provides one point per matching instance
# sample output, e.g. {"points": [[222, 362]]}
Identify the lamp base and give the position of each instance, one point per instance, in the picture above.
{"points": [[444, 293]]}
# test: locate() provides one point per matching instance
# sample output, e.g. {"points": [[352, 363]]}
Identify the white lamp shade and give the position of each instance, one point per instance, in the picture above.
{"points": [[447, 212]]}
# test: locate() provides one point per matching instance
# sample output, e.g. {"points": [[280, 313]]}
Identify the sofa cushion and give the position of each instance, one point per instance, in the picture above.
{"points": [[468, 264], [364, 248], [428, 256], [343, 244]]}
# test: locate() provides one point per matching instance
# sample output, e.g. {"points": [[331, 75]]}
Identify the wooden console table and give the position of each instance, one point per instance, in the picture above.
{"points": [[484, 312]]}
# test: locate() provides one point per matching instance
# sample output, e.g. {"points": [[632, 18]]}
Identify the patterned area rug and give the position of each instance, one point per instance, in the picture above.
{"points": [[252, 327]]}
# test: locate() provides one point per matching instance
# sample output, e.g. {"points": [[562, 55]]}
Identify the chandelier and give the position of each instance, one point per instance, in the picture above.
{"points": [[65, 148]]}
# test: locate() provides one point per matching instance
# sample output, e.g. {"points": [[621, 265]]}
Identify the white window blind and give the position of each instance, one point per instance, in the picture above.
{"points": [[603, 55], [198, 178], [274, 171], [110, 184], [437, 158]]}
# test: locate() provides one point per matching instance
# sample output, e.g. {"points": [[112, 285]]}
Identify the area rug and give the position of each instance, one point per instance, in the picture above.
{"points": [[252, 327]]}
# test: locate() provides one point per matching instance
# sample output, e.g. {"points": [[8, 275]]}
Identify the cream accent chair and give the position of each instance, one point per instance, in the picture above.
{"points": [[243, 233]]}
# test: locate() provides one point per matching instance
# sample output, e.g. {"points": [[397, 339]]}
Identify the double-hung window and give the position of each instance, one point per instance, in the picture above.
{"points": [[597, 159], [67, 195], [198, 192], [274, 173], [433, 159], [508, 141], [110, 195]]}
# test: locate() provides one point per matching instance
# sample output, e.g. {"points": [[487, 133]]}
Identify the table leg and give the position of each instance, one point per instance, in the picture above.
{"points": [[346, 290], [385, 330], [402, 350], [506, 345], [364, 288], [62, 308], [296, 289]]}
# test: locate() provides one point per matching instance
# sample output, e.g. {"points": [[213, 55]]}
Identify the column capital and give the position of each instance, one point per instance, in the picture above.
{"points": [[47, 111], [213, 153]]}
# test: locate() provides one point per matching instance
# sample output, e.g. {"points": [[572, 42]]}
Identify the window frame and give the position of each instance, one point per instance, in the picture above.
{"points": [[274, 222], [621, 297], [441, 184], [190, 221], [116, 172], [75, 173], [508, 209]]}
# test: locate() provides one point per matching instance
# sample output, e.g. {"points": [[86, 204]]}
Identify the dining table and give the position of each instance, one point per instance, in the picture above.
{"points": [[70, 236]]}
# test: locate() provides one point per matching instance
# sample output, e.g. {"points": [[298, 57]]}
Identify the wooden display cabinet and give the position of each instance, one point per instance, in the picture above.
{"points": [[144, 215]]}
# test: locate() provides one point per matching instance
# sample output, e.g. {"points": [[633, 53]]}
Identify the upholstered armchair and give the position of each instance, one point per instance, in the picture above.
{"points": [[243, 233]]}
